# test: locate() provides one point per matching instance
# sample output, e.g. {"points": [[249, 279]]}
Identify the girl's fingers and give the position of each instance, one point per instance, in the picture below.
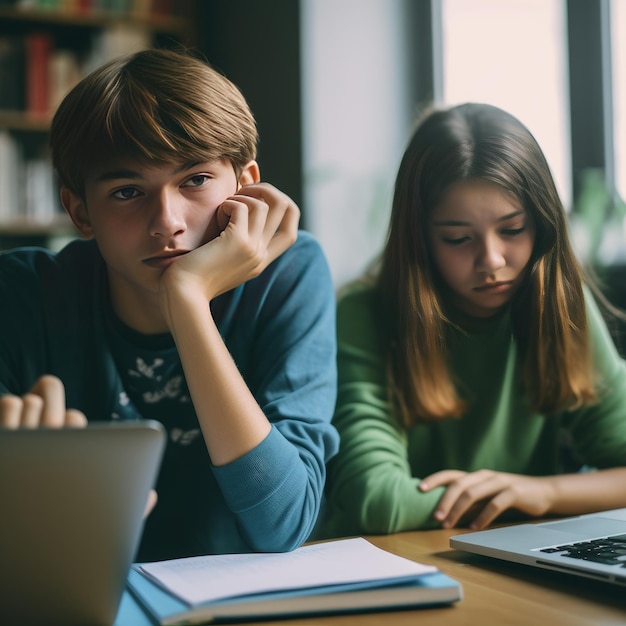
{"points": [[462, 493], [492, 509], [438, 479]]}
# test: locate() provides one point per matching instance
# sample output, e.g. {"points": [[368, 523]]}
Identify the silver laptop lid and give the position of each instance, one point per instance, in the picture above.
{"points": [[72, 502], [559, 545]]}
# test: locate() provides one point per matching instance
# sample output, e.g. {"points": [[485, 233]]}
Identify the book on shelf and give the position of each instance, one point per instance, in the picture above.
{"points": [[35, 75], [117, 40], [10, 166], [38, 49], [40, 198], [134, 8], [12, 65], [334, 577], [65, 72], [28, 189]]}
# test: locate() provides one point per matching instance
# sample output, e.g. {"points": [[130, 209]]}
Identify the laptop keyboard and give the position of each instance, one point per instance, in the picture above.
{"points": [[609, 550]]}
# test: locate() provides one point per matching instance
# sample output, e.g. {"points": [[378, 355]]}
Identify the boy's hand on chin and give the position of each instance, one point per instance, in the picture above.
{"points": [[257, 225]]}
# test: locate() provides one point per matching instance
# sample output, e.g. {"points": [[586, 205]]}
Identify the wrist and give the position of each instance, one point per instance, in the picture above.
{"points": [[177, 297], [550, 486]]}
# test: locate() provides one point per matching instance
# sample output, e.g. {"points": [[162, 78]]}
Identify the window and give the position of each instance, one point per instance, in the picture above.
{"points": [[512, 54], [618, 56], [356, 123]]}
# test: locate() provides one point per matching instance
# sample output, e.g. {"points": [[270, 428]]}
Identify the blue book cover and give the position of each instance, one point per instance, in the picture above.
{"points": [[164, 606]]}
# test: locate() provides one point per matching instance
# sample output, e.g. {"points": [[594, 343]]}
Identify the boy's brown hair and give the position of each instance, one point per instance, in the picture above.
{"points": [[154, 105]]}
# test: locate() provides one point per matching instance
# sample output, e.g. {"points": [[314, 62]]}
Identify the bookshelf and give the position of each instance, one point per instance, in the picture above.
{"points": [[46, 46]]}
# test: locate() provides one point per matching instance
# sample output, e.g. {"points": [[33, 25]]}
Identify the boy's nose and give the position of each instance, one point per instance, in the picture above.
{"points": [[167, 217]]}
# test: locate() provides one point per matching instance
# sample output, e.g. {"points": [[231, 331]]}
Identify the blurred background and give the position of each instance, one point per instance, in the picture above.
{"points": [[338, 84], [336, 87]]}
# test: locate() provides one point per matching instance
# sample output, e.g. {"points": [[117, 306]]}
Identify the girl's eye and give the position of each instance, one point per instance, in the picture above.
{"points": [[455, 242], [126, 193], [196, 181], [512, 232]]}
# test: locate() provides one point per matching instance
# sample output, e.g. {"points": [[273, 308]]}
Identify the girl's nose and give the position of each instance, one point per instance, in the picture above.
{"points": [[490, 256]]}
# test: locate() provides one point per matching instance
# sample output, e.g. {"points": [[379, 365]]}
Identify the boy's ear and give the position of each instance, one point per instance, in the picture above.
{"points": [[76, 209], [249, 174]]}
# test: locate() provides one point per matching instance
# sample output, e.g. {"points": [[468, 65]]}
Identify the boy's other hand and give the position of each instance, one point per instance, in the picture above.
{"points": [[150, 504], [43, 405]]}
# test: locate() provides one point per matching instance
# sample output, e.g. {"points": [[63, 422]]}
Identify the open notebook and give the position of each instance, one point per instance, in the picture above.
{"points": [[72, 502], [334, 577], [591, 545]]}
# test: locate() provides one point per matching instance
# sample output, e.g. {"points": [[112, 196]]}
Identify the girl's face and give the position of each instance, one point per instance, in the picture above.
{"points": [[481, 241]]}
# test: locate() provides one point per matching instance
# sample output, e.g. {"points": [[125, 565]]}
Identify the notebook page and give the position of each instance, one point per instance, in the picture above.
{"points": [[203, 579]]}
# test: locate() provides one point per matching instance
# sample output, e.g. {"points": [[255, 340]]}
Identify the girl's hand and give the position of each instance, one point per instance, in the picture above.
{"points": [[257, 225], [478, 498], [44, 405]]}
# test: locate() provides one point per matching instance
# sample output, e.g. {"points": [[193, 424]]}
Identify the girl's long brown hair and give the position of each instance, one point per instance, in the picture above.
{"points": [[479, 141]]}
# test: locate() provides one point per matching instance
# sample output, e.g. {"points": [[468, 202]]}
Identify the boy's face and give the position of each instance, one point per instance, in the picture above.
{"points": [[143, 215]]}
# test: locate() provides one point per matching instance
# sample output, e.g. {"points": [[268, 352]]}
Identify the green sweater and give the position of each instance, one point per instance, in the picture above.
{"points": [[372, 482]]}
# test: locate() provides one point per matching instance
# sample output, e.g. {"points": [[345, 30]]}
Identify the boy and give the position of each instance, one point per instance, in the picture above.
{"points": [[194, 301]]}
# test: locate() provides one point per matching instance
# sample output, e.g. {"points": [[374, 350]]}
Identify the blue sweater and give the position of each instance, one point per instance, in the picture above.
{"points": [[56, 318]]}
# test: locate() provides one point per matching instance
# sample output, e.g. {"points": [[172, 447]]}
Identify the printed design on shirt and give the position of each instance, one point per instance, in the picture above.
{"points": [[145, 370], [171, 390], [184, 437], [165, 388], [123, 400]]}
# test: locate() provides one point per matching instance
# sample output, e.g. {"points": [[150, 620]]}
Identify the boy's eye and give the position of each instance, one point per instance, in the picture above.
{"points": [[125, 193], [196, 181]]}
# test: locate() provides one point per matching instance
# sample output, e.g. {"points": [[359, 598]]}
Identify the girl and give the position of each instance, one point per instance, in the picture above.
{"points": [[476, 374]]}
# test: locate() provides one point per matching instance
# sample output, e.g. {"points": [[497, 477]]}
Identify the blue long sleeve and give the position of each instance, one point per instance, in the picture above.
{"points": [[280, 330]]}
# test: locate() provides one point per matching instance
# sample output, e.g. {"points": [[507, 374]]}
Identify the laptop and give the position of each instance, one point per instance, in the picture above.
{"points": [[592, 545], [72, 503]]}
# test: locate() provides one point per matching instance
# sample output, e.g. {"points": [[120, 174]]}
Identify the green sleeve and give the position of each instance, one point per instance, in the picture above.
{"points": [[599, 430], [370, 485]]}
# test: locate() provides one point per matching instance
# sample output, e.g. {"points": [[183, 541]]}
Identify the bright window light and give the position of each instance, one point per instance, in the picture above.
{"points": [[513, 54], [618, 53]]}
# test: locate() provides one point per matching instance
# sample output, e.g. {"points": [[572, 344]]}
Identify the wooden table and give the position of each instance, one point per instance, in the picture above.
{"points": [[495, 593]]}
